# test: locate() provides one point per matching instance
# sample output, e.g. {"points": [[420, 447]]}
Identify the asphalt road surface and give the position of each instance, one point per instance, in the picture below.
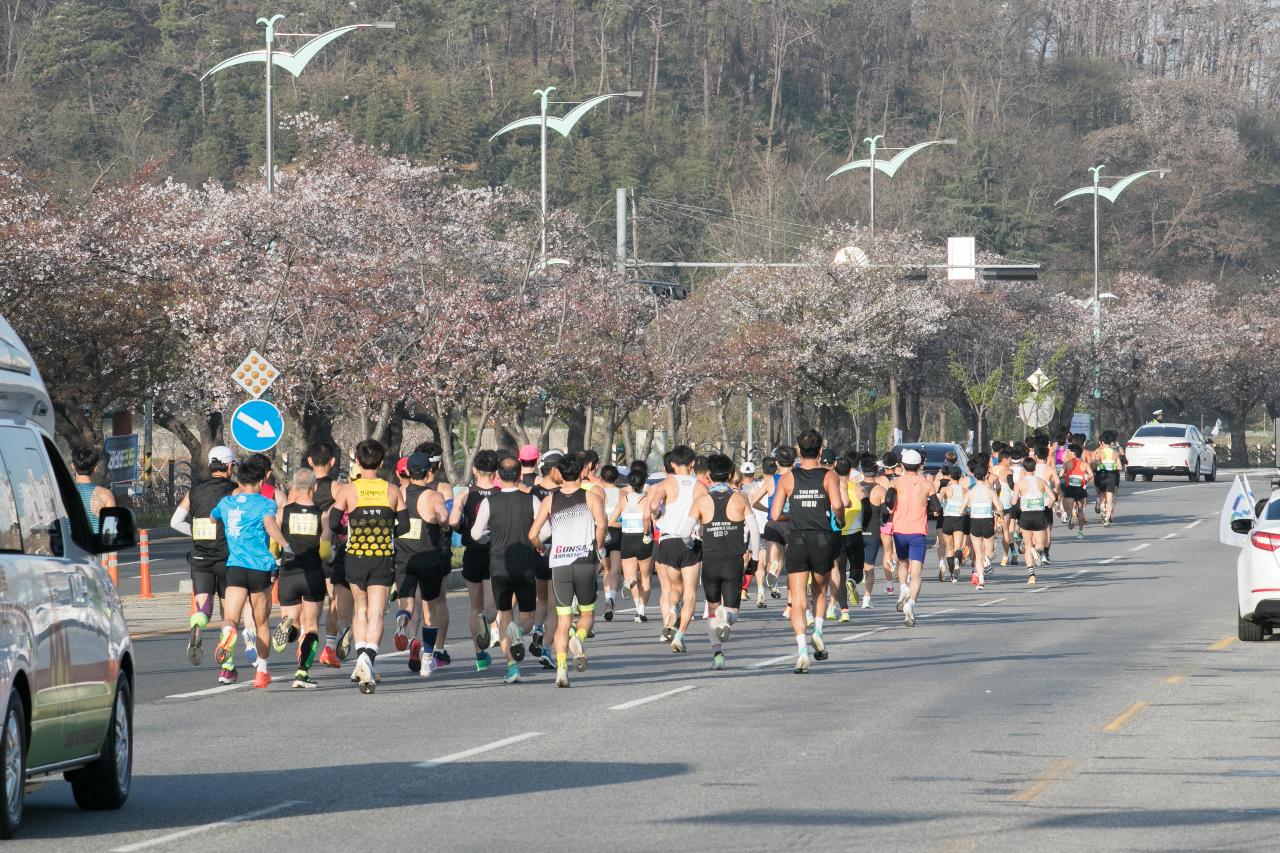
{"points": [[1107, 708]]}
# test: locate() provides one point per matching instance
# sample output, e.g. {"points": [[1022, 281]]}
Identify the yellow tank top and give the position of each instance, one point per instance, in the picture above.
{"points": [[854, 509], [372, 523], [1109, 458]]}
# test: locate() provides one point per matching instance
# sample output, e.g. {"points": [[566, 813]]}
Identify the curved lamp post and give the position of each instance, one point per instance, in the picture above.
{"points": [[292, 62], [889, 167]]}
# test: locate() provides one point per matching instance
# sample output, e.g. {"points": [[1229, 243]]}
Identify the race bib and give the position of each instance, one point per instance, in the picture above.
{"points": [[415, 529], [203, 529], [631, 523], [1075, 480], [955, 508], [301, 524], [980, 511], [1032, 504]]}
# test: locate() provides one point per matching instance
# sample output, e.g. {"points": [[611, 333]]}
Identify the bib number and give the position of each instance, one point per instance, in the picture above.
{"points": [[203, 529], [1075, 481], [1033, 504], [631, 523], [301, 524]]}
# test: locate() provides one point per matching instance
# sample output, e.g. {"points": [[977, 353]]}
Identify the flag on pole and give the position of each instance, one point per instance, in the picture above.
{"points": [[1239, 503]]}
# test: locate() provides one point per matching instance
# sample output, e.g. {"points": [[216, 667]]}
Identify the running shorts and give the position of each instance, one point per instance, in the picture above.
{"points": [[1076, 493], [337, 570], [672, 551], [952, 524], [722, 580], [363, 573], [209, 579], [811, 551], [911, 546], [872, 547], [250, 579], [776, 532], [613, 540], [633, 547], [1106, 481], [306, 585], [982, 528], [518, 586], [1034, 521], [854, 546], [578, 580], [475, 563], [542, 568], [424, 577]]}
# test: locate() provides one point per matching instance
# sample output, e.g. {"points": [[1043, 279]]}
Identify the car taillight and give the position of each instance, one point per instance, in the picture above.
{"points": [[1133, 444], [1181, 444], [1265, 540]]}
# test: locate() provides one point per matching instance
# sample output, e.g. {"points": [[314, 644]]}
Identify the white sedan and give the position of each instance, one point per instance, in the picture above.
{"points": [[1177, 449], [1258, 572]]}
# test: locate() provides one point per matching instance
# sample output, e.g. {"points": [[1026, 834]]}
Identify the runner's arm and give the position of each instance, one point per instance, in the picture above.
{"points": [[459, 501], [781, 492], [838, 496], [481, 525], [180, 515], [539, 522], [273, 530]]}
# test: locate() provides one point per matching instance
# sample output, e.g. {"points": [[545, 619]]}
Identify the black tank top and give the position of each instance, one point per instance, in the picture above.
{"points": [[871, 513], [809, 507], [722, 539], [423, 543], [302, 528], [510, 517], [475, 496], [208, 541]]}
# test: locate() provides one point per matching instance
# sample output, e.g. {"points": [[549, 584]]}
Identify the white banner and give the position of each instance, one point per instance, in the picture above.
{"points": [[1238, 503]]}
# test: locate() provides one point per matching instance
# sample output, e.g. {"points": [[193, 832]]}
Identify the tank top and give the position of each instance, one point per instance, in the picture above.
{"points": [[678, 510], [208, 540], [852, 512], [510, 517], [632, 517], [1109, 459], [610, 500], [954, 504], [1032, 500], [809, 508], [573, 529], [301, 527], [871, 513], [86, 498], [722, 539], [910, 519], [475, 497], [768, 503], [422, 544], [1075, 474], [981, 502], [371, 523]]}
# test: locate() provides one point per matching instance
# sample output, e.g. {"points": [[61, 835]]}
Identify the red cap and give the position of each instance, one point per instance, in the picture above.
{"points": [[528, 453], [402, 467]]}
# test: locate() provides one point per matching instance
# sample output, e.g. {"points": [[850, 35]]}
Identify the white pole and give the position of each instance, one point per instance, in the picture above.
{"points": [[544, 176], [751, 444], [271, 158], [1097, 316]]}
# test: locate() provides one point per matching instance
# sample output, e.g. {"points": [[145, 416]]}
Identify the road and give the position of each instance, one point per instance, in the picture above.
{"points": [[1107, 708]]}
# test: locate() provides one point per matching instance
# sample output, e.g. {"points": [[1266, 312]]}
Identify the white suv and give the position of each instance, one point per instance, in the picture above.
{"points": [[66, 662], [1177, 449]]}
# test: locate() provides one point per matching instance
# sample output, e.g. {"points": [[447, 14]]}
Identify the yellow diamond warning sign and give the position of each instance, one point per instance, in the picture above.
{"points": [[255, 374]]}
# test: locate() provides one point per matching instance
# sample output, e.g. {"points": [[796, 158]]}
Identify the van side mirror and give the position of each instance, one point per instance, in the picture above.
{"points": [[1241, 525], [116, 530]]}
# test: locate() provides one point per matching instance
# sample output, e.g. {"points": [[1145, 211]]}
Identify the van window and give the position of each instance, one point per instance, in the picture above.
{"points": [[10, 532], [39, 509]]}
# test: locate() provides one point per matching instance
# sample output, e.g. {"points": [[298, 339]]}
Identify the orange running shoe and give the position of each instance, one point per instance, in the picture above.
{"points": [[261, 680], [329, 657]]}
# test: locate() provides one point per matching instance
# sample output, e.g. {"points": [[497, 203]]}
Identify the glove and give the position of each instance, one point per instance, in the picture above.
{"points": [[274, 547], [326, 551], [287, 551], [602, 553], [647, 539]]}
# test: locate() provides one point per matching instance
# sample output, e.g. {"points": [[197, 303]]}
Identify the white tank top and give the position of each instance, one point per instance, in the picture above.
{"points": [[632, 517], [981, 502], [678, 509], [610, 500]]}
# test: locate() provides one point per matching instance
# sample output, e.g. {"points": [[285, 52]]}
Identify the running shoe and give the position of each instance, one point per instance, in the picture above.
{"points": [[668, 626], [591, 632], [1097, 508], [819, 647], [195, 646], [831, 613], [888, 588], [401, 638], [562, 676], [717, 660], [344, 643], [415, 655], [250, 645], [722, 628], [981, 586], [909, 614], [644, 617], [495, 639], [328, 657], [1031, 579], [802, 664], [430, 668], [261, 679], [441, 657], [222, 654], [483, 659], [808, 619], [513, 674], [760, 605], [973, 578], [844, 615], [786, 612], [953, 577], [608, 609], [365, 675], [482, 635], [1045, 561], [578, 652], [280, 636], [516, 636], [1080, 534], [636, 619], [545, 659], [304, 681], [902, 599], [866, 601], [228, 675]]}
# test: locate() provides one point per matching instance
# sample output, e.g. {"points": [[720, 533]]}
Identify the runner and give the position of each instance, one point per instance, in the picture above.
{"points": [[249, 520], [775, 532], [756, 490], [727, 521], [475, 555], [678, 555], [612, 540], [1004, 476], [1076, 475], [983, 508], [812, 498], [849, 556], [576, 553], [631, 518], [94, 497], [321, 458], [870, 520], [372, 506], [505, 519], [908, 500], [951, 530], [1034, 498], [890, 470], [208, 554], [423, 562], [1049, 474], [1107, 483], [545, 612], [302, 582]]}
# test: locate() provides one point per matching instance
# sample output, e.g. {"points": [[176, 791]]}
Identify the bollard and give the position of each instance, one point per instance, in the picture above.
{"points": [[144, 552], [113, 569]]}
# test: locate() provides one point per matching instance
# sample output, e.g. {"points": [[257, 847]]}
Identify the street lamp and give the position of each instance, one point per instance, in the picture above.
{"points": [[291, 62], [889, 167], [1110, 194], [561, 126]]}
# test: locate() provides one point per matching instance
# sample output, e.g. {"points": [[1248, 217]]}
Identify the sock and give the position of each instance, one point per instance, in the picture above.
{"points": [[307, 651], [561, 659], [802, 643], [639, 608], [199, 619], [331, 641], [512, 666], [372, 652], [261, 664], [228, 639], [429, 637], [207, 608], [817, 623], [951, 562], [730, 615], [581, 633]]}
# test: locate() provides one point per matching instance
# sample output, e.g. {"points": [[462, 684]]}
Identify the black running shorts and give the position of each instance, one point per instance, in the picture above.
{"points": [[209, 579], [306, 585], [722, 580], [811, 551], [634, 547], [250, 579], [672, 551], [424, 577]]}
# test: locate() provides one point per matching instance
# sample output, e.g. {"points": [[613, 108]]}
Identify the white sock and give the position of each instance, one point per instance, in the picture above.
{"points": [[261, 664], [817, 623], [802, 643], [330, 641], [639, 607], [711, 633]]}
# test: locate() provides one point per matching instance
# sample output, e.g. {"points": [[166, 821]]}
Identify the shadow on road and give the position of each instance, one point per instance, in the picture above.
{"points": [[805, 817], [1151, 818]]}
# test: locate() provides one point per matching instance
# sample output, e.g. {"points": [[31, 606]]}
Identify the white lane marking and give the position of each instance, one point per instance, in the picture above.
{"points": [[1111, 560], [1079, 573], [1163, 489], [993, 601], [852, 637], [1044, 586], [1140, 546], [1192, 524], [770, 662], [636, 703], [467, 753], [196, 830], [1168, 535], [212, 691], [936, 613]]}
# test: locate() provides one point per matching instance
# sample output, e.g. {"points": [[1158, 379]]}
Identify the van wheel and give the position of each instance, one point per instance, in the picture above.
{"points": [[1130, 476], [13, 757], [1147, 478], [1249, 631], [105, 783]]}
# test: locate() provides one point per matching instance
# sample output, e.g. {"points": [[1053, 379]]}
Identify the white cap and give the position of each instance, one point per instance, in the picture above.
{"points": [[911, 456], [1158, 412], [748, 468], [222, 454]]}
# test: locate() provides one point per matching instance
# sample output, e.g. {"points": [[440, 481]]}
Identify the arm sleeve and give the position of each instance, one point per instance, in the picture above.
{"points": [[179, 521], [753, 533], [481, 525], [335, 519], [402, 522]]}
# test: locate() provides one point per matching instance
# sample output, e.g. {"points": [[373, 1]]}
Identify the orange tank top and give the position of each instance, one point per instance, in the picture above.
{"points": [[909, 518]]}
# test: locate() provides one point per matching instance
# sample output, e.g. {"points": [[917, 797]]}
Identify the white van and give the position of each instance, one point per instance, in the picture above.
{"points": [[66, 662]]}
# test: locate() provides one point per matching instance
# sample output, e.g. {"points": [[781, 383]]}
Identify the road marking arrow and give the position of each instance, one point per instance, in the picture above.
{"points": [[264, 429]]}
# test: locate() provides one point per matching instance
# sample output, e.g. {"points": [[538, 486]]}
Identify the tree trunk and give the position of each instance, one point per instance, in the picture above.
{"points": [[1239, 440], [628, 444], [576, 420], [197, 444], [588, 428], [74, 427]]}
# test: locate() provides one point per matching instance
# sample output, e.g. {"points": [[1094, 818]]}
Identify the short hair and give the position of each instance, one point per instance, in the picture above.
{"points": [[979, 469], [1109, 436], [253, 469], [570, 467], [320, 453], [843, 465], [1028, 464], [590, 457], [637, 479], [370, 453], [769, 466], [700, 465], [682, 454], [486, 462], [609, 473], [509, 469], [786, 457], [1076, 449], [719, 467], [304, 479], [84, 460], [954, 473], [810, 444], [891, 459]]}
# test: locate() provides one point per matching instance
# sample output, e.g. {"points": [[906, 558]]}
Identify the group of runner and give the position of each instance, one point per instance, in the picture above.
{"points": [[538, 532]]}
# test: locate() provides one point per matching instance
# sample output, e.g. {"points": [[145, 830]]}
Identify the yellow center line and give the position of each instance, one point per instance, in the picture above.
{"points": [[1174, 679], [1056, 772], [1222, 644], [1129, 713]]}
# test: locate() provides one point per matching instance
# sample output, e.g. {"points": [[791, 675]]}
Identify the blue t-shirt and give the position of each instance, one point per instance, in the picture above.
{"points": [[247, 540]]}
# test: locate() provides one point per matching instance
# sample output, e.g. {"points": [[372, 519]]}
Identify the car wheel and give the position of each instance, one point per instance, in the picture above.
{"points": [[1130, 476], [105, 783], [1147, 478], [13, 757], [1194, 476], [1249, 631], [1212, 476]]}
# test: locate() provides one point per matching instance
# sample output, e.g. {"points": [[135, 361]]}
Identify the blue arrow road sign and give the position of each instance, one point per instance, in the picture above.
{"points": [[257, 426]]}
